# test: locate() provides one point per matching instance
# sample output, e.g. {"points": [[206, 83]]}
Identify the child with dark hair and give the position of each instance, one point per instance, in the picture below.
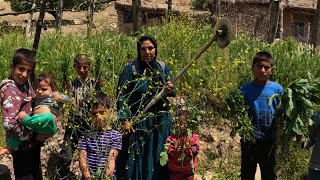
{"points": [[183, 147], [46, 106], [99, 147], [256, 96], [14, 91], [80, 89]]}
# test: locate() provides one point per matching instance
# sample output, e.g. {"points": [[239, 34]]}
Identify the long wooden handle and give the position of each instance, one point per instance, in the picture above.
{"points": [[194, 60], [162, 92]]}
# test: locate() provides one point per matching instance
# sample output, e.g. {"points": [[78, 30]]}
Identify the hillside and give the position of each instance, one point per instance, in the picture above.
{"points": [[107, 18]]}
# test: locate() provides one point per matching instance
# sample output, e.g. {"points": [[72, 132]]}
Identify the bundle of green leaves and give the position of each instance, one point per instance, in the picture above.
{"points": [[237, 113], [297, 106]]}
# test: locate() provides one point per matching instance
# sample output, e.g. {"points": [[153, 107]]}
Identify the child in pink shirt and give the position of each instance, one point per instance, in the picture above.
{"points": [[182, 150]]}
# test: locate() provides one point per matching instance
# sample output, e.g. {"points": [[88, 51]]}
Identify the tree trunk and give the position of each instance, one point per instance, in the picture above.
{"points": [[214, 8], [281, 23], [59, 16], [136, 4], [39, 25], [90, 11], [38, 33], [169, 10], [273, 20], [314, 26], [29, 23]]}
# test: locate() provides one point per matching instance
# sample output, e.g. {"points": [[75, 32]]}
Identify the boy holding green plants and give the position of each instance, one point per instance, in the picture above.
{"points": [[80, 89], [256, 95]]}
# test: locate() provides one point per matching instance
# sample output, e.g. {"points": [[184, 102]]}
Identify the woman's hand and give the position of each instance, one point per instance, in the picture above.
{"points": [[127, 125], [169, 87]]}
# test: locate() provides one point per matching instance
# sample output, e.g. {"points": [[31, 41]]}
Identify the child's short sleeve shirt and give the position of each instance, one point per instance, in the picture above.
{"points": [[262, 114], [98, 144]]}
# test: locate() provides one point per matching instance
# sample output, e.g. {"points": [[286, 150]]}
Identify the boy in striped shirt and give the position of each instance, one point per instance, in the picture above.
{"points": [[99, 147], [80, 89]]}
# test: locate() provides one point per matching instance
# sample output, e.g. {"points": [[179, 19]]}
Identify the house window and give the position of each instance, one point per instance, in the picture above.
{"points": [[298, 28], [127, 17]]}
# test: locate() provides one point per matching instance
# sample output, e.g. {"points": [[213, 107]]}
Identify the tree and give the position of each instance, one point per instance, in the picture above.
{"points": [[56, 8], [273, 20], [169, 10], [59, 16], [30, 17], [136, 6], [90, 10], [314, 27], [214, 8], [198, 4]]}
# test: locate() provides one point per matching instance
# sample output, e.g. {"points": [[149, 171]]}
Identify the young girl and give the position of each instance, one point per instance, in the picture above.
{"points": [[182, 150], [46, 106]]}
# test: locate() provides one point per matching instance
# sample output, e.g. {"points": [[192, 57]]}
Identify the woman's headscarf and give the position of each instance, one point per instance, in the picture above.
{"points": [[153, 41]]}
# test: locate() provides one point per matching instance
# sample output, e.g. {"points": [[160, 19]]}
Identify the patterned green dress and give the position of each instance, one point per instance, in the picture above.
{"points": [[143, 147]]}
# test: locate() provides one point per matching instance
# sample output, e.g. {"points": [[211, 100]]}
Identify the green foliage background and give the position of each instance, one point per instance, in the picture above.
{"points": [[207, 84]]}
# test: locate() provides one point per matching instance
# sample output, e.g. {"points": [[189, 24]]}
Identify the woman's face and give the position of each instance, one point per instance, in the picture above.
{"points": [[147, 51]]}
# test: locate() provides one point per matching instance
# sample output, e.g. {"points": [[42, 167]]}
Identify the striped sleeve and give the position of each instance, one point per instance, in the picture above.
{"points": [[82, 143], [116, 141]]}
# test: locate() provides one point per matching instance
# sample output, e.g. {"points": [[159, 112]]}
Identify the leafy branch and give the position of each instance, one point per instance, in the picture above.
{"points": [[297, 106], [237, 113]]}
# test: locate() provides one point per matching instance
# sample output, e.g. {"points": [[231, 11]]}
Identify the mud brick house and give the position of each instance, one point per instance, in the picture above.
{"points": [[297, 19], [153, 12], [252, 16], [249, 16], [150, 16]]}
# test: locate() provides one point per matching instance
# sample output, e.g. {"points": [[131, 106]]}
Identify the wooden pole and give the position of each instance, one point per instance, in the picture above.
{"points": [[281, 23], [30, 17], [162, 92], [59, 16], [136, 4], [39, 26], [273, 20], [314, 26], [90, 17], [38, 35], [169, 10]]}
